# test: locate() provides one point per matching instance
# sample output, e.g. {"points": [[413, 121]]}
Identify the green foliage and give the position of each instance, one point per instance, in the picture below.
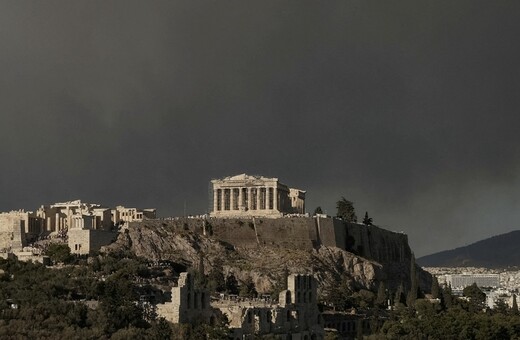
{"points": [[400, 298], [59, 253], [346, 210], [216, 280], [231, 284], [500, 307], [51, 301], [435, 290], [414, 285], [381, 299], [476, 297], [247, 288], [367, 220]]}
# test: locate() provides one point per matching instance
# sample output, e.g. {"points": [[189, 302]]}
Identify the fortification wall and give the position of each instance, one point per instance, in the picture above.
{"points": [[307, 233], [370, 242]]}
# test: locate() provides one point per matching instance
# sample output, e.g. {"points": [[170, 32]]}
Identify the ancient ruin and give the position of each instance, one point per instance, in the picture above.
{"points": [[85, 226], [294, 316], [245, 195]]}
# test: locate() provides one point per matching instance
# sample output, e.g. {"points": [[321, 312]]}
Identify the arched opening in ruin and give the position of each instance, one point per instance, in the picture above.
{"points": [[288, 297]]}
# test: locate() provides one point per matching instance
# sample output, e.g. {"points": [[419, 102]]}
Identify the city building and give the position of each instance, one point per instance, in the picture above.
{"points": [[459, 281], [245, 195]]}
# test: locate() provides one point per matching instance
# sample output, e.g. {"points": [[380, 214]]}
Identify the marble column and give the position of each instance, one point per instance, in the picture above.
{"points": [[258, 192], [231, 199], [275, 199], [240, 199], [249, 200], [215, 190]]}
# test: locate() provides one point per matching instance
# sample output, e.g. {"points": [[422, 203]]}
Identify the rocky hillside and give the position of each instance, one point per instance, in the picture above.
{"points": [[495, 252], [265, 264]]}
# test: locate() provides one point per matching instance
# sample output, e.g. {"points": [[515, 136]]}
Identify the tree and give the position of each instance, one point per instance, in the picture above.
{"points": [[435, 288], [317, 211], [381, 295], [399, 295], [447, 297], [59, 252], [367, 220], [247, 288], [231, 284], [477, 298], [514, 307], [216, 280], [500, 306], [414, 286], [346, 210]]}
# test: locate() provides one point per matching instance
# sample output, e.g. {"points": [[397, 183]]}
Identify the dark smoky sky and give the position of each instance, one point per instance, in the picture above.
{"points": [[408, 108]]}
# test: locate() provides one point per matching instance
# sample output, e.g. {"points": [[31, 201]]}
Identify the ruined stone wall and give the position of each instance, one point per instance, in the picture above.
{"points": [[188, 303], [86, 241], [12, 231]]}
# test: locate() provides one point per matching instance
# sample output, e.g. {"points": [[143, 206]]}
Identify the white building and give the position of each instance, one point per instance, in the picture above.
{"points": [[459, 281], [245, 195]]}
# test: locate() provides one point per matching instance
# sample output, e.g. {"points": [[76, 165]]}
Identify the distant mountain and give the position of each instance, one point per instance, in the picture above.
{"points": [[494, 252]]}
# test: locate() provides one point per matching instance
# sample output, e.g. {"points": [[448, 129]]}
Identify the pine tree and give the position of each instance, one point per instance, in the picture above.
{"points": [[367, 220], [414, 287], [435, 288], [381, 295], [399, 295], [447, 296], [514, 308]]}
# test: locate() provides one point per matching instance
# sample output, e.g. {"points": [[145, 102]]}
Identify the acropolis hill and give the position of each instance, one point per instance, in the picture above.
{"points": [[250, 215], [264, 247]]}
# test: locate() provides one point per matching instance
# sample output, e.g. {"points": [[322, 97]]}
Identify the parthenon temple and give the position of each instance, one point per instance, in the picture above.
{"points": [[245, 195]]}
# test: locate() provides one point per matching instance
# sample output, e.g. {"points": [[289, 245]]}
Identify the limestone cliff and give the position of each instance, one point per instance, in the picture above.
{"points": [[262, 250]]}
